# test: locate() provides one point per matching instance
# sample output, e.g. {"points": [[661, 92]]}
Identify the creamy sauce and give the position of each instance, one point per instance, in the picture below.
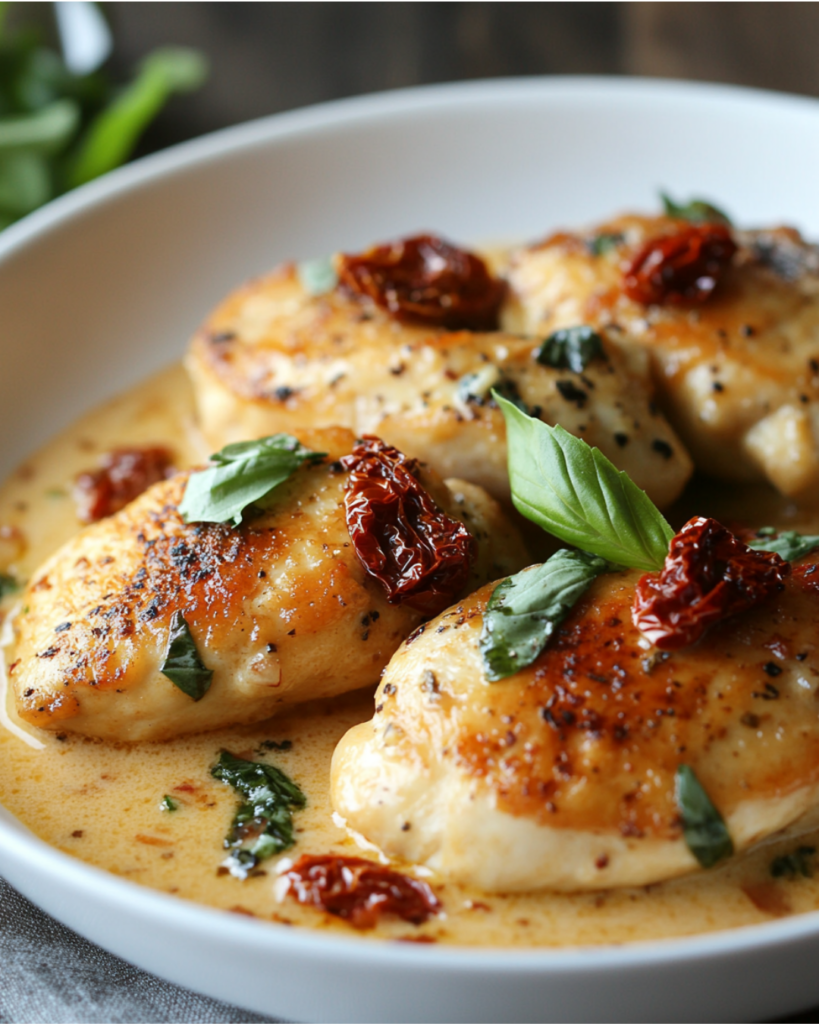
{"points": [[105, 803]]}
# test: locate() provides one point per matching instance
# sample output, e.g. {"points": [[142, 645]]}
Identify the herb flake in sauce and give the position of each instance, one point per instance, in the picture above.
{"points": [[263, 824]]}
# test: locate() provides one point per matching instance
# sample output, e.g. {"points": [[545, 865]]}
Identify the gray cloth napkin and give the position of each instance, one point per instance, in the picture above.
{"points": [[50, 975]]}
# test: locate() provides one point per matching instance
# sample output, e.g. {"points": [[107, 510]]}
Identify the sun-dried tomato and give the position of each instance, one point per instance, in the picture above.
{"points": [[680, 269], [419, 554], [359, 890], [708, 575], [426, 280], [124, 474]]}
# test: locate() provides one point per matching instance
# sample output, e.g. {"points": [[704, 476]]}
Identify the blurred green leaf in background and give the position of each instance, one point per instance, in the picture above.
{"points": [[63, 121]]}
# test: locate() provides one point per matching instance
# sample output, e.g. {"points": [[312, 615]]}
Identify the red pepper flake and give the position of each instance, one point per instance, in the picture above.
{"points": [[420, 555], [708, 575], [124, 474], [359, 890], [682, 268], [426, 280]]}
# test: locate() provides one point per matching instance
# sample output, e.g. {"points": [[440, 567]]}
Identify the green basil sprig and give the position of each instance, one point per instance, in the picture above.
{"points": [[574, 492], [706, 834], [263, 824], [572, 348], [526, 609], [183, 664], [244, 474], [698, 211], [789, 544]]}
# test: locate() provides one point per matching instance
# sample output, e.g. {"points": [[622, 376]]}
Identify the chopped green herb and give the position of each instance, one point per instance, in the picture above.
{"points": [[508, 390], [704, 828], [789, 544], [168, 804], [698, 211], [790, 865], [526, 609], [606, 242], [8, 585], [263, 824], [243, 474], [183, 665], [572, 348], [574, 492], [273, 745], [317, 277], [475, 387]]}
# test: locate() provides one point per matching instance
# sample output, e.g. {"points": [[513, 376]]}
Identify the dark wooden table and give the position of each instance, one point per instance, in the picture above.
{"points": [[269, 57]]}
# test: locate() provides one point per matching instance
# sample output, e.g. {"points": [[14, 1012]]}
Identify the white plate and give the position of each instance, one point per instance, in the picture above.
{"points": [[106, 284]]}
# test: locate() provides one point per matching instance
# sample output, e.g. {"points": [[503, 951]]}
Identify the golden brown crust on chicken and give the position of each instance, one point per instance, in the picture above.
{"points": [[272, 357], [562, 776], [280, 608], [737, 374]]}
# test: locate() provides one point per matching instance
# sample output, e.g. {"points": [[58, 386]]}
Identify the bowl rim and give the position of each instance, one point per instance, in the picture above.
{"points": [[338, 114], [120, 893]]}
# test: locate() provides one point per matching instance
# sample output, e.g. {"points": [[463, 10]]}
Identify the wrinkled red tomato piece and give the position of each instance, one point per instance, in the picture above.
{"points": [[680, 269], [426, 280], [708, 575], [359, 890], [124, 474], [420, 555]]}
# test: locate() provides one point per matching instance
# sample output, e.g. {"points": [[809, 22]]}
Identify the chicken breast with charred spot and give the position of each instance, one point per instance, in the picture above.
{"points": [[736, 366], [562, 776], [281, 609], [274, 357]]}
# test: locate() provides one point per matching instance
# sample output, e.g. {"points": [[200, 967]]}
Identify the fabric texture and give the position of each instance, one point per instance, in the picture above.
{"points": [[51, 975]]}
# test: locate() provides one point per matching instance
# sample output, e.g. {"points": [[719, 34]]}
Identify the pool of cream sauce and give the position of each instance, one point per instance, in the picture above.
{"points": [[105, 803]]}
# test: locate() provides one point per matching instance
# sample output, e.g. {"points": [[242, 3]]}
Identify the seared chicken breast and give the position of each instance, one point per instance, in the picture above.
{"points": [[562, 776], [735, 361], [273, 357], [280, 609]]}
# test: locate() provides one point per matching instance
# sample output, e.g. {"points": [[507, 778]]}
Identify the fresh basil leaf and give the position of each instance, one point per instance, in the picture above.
{"points": [[317, 277], [789, 544], [244, 474], [572, 348], [572, 491], [525, 610], [606, 242], [698, 211], [112, 136], [706, 834], [8, 585], [263, 824], [790, 865], [183, 665]]}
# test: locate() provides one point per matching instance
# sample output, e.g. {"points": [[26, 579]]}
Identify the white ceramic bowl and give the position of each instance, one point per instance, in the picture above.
{"points": [[105, 285]]}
